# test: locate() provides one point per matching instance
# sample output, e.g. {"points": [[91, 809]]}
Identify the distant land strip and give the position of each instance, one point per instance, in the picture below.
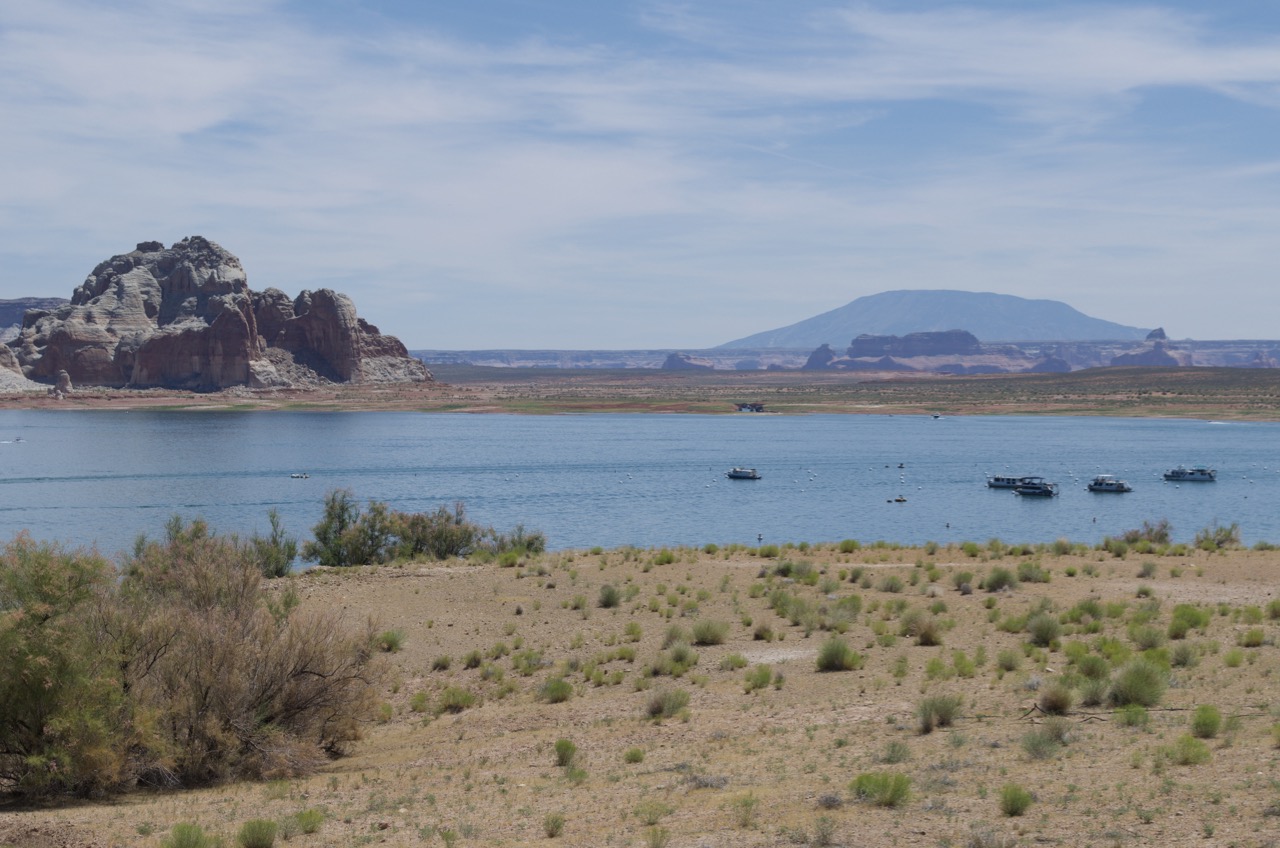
{"points": [[1206, 393]]}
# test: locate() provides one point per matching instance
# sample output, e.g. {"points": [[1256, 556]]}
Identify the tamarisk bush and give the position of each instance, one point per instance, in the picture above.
{"points": [[174, 669]]}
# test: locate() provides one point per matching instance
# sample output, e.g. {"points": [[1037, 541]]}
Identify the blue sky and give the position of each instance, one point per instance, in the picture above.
{"points": [[627, 174]]}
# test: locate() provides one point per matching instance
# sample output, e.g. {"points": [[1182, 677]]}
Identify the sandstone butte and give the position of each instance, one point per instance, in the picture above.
{"points": [[184, 317]]}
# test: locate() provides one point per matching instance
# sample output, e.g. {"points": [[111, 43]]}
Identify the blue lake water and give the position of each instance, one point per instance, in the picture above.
{"points": [[103, 477]]}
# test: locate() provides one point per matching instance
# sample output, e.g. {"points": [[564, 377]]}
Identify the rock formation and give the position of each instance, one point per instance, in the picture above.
{"points": [[184, 317], [1157, 355], [685, 362], [945, 343]]}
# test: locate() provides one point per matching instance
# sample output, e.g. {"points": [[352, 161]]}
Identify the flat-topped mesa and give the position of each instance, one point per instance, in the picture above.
{"points": [[184, 317]]}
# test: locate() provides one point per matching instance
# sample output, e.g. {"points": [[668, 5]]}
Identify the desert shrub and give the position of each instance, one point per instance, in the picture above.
{"points": [[1139, 682], [276, 552], [1014, 800], [1008, 660], [1254, 637], [652, 811], [455, 699], [309, 820], [390, 641], [1206, 721], [1044, 741], [556, 690], [835, 655], [768, 551], [666, 703], [882, 788], [1093, 667], [999, 578], [1044, 629], [758, 677], [733, 662], [552, 825], [896, 752], [633, 756], [1156, 534], [1184, 655], [938, 711], [1146, 637], [610, 596], [257, 833], [1057, 698], [187, 835], [345, 535], [891, 583], [1132, 715], [1216, 537], [566, 752], [1030, 572], [1187, 617], [971, 549], [1188, 751], [1093, 691], [848, 546], [180, 669], [709, 632]]}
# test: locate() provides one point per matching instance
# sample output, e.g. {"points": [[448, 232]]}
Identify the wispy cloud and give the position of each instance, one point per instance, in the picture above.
{"points": [[697, 172]]}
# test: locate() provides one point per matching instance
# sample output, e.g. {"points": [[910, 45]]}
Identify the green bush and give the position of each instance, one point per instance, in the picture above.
{"points": [[552, 825], [633, 756], [1044, 629], [309, 820], [758, 677], [999, 578], [848, 546], [1206, 721], [1132, 715], [882, 788], [938, 711], [1014, 800], [708, 632], [610, 596], [1057, 698], [556, 690], [666, 703], [257, 833], [835, 655], [187, 835], [391, 641], [566, 751], [455, 699], [1139, 682], [274, 553], [178, 661], [1189, 751]]}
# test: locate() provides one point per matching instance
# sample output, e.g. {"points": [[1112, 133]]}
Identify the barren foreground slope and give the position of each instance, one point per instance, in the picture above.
{"points": [[774, 766]]}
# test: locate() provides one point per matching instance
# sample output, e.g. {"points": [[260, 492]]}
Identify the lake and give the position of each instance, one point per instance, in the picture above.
{"points": [[103, 477]]}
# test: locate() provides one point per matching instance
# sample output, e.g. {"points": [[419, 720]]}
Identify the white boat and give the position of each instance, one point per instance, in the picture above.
{"points": [[1108, 483], [1198, 474], [1003, 481], [1036, 487], [736, 473]]}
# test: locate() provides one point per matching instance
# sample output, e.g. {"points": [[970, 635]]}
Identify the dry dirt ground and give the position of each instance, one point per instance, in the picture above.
{"points": [[773, 766]]}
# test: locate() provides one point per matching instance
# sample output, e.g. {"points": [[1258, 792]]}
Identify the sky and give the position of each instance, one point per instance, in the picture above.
{"points": [[625, 174]]}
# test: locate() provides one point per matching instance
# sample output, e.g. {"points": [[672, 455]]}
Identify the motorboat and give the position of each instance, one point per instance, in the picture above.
{"points": [[1036, 487], [737, 473], [1108, 483], [1002, 481], [1198, 474]]}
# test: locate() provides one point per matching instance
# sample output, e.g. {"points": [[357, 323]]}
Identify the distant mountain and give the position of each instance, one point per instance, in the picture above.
{"points": [[990, 317]]}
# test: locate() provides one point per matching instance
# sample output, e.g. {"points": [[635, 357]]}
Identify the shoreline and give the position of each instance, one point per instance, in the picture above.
{"points": [[1234, 394]]}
